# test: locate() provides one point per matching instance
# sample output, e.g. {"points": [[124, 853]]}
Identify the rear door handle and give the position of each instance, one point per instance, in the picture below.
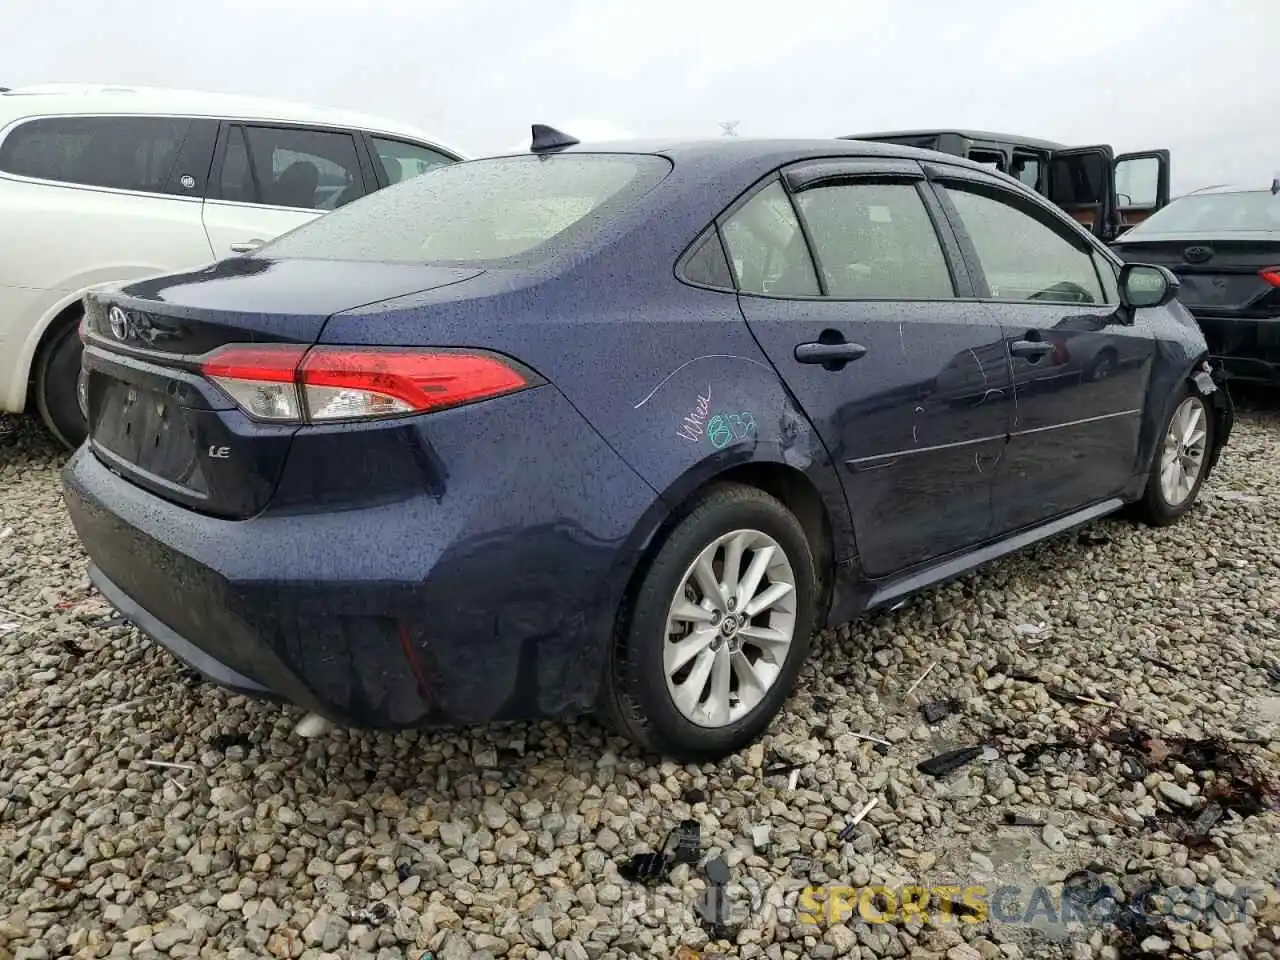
{"points": [[1031, 349], [246, 246], [818, 352]]}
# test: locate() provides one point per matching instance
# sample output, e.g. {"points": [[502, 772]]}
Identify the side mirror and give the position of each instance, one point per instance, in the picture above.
{"points": [[1144, 285]]}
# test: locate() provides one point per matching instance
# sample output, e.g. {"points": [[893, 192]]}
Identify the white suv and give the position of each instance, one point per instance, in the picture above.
{"points": [[103, 184]]}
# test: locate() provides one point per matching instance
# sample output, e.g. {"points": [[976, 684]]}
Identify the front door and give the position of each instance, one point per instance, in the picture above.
{"points": [[1080, 364], [268, 180], [907, 386]]}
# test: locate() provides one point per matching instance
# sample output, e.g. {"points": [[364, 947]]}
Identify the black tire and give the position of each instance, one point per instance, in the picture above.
{"points": [[1154, 508], [634, 698], [57, 375]]}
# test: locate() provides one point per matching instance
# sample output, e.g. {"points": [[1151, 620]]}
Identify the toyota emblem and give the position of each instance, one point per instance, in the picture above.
{"points": [[1197, 254], [119, 323]]}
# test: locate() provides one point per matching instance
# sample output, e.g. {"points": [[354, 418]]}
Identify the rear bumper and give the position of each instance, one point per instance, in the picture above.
{"points": [[488, 593], [186, 651], [1246, 349]]}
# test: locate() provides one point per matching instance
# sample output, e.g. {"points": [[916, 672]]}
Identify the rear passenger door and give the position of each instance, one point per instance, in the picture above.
{"points": [[103, 198], [268, 180], [852, 283]]}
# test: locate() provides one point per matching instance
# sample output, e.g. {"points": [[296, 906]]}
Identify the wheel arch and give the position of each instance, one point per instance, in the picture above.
{"points": [[792, 486], [53, 324], [1211, 383], [72, 293]]}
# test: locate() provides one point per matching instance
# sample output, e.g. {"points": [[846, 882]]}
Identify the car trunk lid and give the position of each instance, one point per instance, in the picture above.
{"points": [[1218, 277], [158, 422]]}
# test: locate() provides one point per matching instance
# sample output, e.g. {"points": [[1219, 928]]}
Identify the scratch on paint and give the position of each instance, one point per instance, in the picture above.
{"points": [[977, 463], [709, 356], [980, 367], [902, 338], [915, 427]]}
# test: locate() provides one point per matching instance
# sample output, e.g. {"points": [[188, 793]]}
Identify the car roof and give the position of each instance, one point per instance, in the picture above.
{"points": [[1012, 138], [767, 151], [50, 99]]}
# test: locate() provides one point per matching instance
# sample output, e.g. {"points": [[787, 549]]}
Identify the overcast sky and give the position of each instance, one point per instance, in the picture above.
{"points": [[1197, 76]]}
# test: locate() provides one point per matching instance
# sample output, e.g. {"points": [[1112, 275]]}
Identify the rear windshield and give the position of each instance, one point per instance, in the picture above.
{"points": [[503, 209], [1210, 212]]}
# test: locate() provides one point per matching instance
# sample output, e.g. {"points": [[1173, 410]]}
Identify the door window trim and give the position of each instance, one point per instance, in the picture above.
{"points": [[1027, 203], [10, 128], [214, 182]]}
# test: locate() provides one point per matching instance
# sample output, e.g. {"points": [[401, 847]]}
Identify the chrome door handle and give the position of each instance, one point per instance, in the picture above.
{"points": [[246, 246]]}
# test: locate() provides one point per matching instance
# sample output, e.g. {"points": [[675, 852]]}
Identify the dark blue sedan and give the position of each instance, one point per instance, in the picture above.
{"points": [[617, 428]]}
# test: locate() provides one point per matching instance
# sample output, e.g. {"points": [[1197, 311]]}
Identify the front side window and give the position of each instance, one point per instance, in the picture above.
{"points": [[875, 240], [124, 153], [289, 167], [1022, 257], [401, 160], [484, 211], [767, 249]]}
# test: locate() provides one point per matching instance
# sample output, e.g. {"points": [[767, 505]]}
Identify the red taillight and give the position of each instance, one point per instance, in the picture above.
{"points": [[1271, 275], [289, 383]]}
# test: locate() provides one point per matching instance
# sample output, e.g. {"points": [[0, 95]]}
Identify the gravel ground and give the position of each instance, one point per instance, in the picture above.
{"points": [[143, 814]]}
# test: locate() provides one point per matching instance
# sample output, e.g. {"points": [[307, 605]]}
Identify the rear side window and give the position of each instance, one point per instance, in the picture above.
{"points": [[503, 209], [875, 240], [290, 167], [767, 249], [706, 266], [147, 154], [401, 160]]}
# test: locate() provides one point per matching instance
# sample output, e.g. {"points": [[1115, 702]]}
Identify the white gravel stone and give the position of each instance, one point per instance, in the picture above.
{"points": [[508, 841]]}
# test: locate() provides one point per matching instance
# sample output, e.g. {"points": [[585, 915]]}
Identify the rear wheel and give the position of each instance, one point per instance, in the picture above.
{"points": [[1181, 461], [57, 377], [713, 636]]}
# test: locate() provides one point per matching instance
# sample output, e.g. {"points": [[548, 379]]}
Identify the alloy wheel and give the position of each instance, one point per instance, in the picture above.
{"points": [[1182, 457], [729, 628]]}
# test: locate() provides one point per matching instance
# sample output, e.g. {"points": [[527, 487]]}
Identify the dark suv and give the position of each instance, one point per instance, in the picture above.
{"points": [[1105, 193]]}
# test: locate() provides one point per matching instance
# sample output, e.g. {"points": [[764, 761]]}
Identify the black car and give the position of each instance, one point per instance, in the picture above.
{"points": [[1105, 193], [1223, 243]]}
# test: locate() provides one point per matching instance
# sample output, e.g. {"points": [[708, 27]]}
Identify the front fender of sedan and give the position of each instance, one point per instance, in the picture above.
{"points": [[1182, 361]]}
